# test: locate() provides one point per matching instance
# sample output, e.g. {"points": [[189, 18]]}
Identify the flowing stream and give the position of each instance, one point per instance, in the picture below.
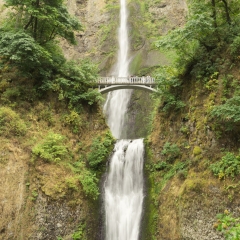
{"points": [[123, 189]]}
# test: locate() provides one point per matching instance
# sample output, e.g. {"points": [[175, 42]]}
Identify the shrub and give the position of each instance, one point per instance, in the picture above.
{"points": [[73, 120], [229, 225], [161, 165], [228, 166], [52, 149], [11, 123], [89, 182], [229, 111], [79, 234], [100, 150], [87, 178], [170, 151]]}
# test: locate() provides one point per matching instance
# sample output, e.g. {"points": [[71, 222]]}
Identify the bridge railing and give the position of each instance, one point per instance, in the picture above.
{"points": [[126, 80]]}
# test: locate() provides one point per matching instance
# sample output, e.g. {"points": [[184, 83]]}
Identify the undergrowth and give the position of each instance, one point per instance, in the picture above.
{"points": [[229, 225]]}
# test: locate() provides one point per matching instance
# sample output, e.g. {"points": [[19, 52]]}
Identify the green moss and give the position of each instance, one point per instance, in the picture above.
{"points": [[150, 214], [197, 151], [136, 63]]}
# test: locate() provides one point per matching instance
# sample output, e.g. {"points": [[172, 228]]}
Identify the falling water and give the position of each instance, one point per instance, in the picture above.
{"points": [[124, 184], [117, 101], [124, 191]]}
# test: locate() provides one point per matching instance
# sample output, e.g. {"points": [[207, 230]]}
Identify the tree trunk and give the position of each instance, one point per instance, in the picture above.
{"points": [[214, 15], [227, 11]]}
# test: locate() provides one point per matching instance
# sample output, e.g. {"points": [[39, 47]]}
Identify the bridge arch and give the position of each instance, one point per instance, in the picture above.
{"points": [[108, 84], [118, 87]]}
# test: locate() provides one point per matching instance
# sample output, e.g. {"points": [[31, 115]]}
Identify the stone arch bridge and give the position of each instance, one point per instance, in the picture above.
{"points": [[108, 84]]}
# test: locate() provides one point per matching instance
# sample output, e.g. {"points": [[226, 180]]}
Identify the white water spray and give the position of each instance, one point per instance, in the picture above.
{"points": [[117, 101], [124, 184], [124, 191]]}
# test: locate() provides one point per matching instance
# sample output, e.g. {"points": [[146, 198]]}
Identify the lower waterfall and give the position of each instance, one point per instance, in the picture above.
{"points": [[124, 191]]}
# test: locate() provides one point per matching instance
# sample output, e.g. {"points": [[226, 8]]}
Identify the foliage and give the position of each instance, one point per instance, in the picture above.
{"points": [[87, 178], [34, 195], [170, 171], [235, 46], [161, 165], [168, 86], [229, 225], [73, 120], [89, 182], [20, 50], [174, 169], [52, 149], [11, 123], [229, 111], [79, 234], [73, 83], [197, 150], [100, 149], [170, 151], [228, 166], [208, 29], [44, 20]]}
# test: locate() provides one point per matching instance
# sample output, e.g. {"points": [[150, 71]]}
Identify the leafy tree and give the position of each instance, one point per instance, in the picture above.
{"points": [[74, 83], [44, 20], [168, 86], [20, 50], [210, 26]]}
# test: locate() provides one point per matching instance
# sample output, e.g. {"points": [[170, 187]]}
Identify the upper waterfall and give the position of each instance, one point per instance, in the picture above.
{"points": [[116, 104]]}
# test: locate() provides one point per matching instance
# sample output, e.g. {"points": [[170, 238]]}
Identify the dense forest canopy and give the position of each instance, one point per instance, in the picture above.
{"points": [[209, 40], [29, 39]]}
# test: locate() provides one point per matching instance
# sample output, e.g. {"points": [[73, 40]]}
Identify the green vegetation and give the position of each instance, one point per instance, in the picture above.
{"points": [[170, 151], [73, 119], [89, 182], [229, 225], [211, 29], [100, 151], [79, 234], [43, 20], [29, 46], [87, 178], [169, 87], [52, 149], [228, 166], [74, 82], [11, 123], [228, 112]]}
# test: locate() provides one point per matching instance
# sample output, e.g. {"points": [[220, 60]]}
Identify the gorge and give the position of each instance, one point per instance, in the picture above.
{"points": [[55, 145]]}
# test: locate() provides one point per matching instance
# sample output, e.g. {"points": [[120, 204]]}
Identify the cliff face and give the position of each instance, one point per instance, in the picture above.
{"points": [[187, 199], [40, 198]]}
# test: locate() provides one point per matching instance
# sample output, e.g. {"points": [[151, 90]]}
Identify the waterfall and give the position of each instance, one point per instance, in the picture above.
{"points": [[123, 189], [117, 101]]}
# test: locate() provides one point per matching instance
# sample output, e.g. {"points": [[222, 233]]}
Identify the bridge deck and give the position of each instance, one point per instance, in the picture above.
{"points": [[126, 81]]}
